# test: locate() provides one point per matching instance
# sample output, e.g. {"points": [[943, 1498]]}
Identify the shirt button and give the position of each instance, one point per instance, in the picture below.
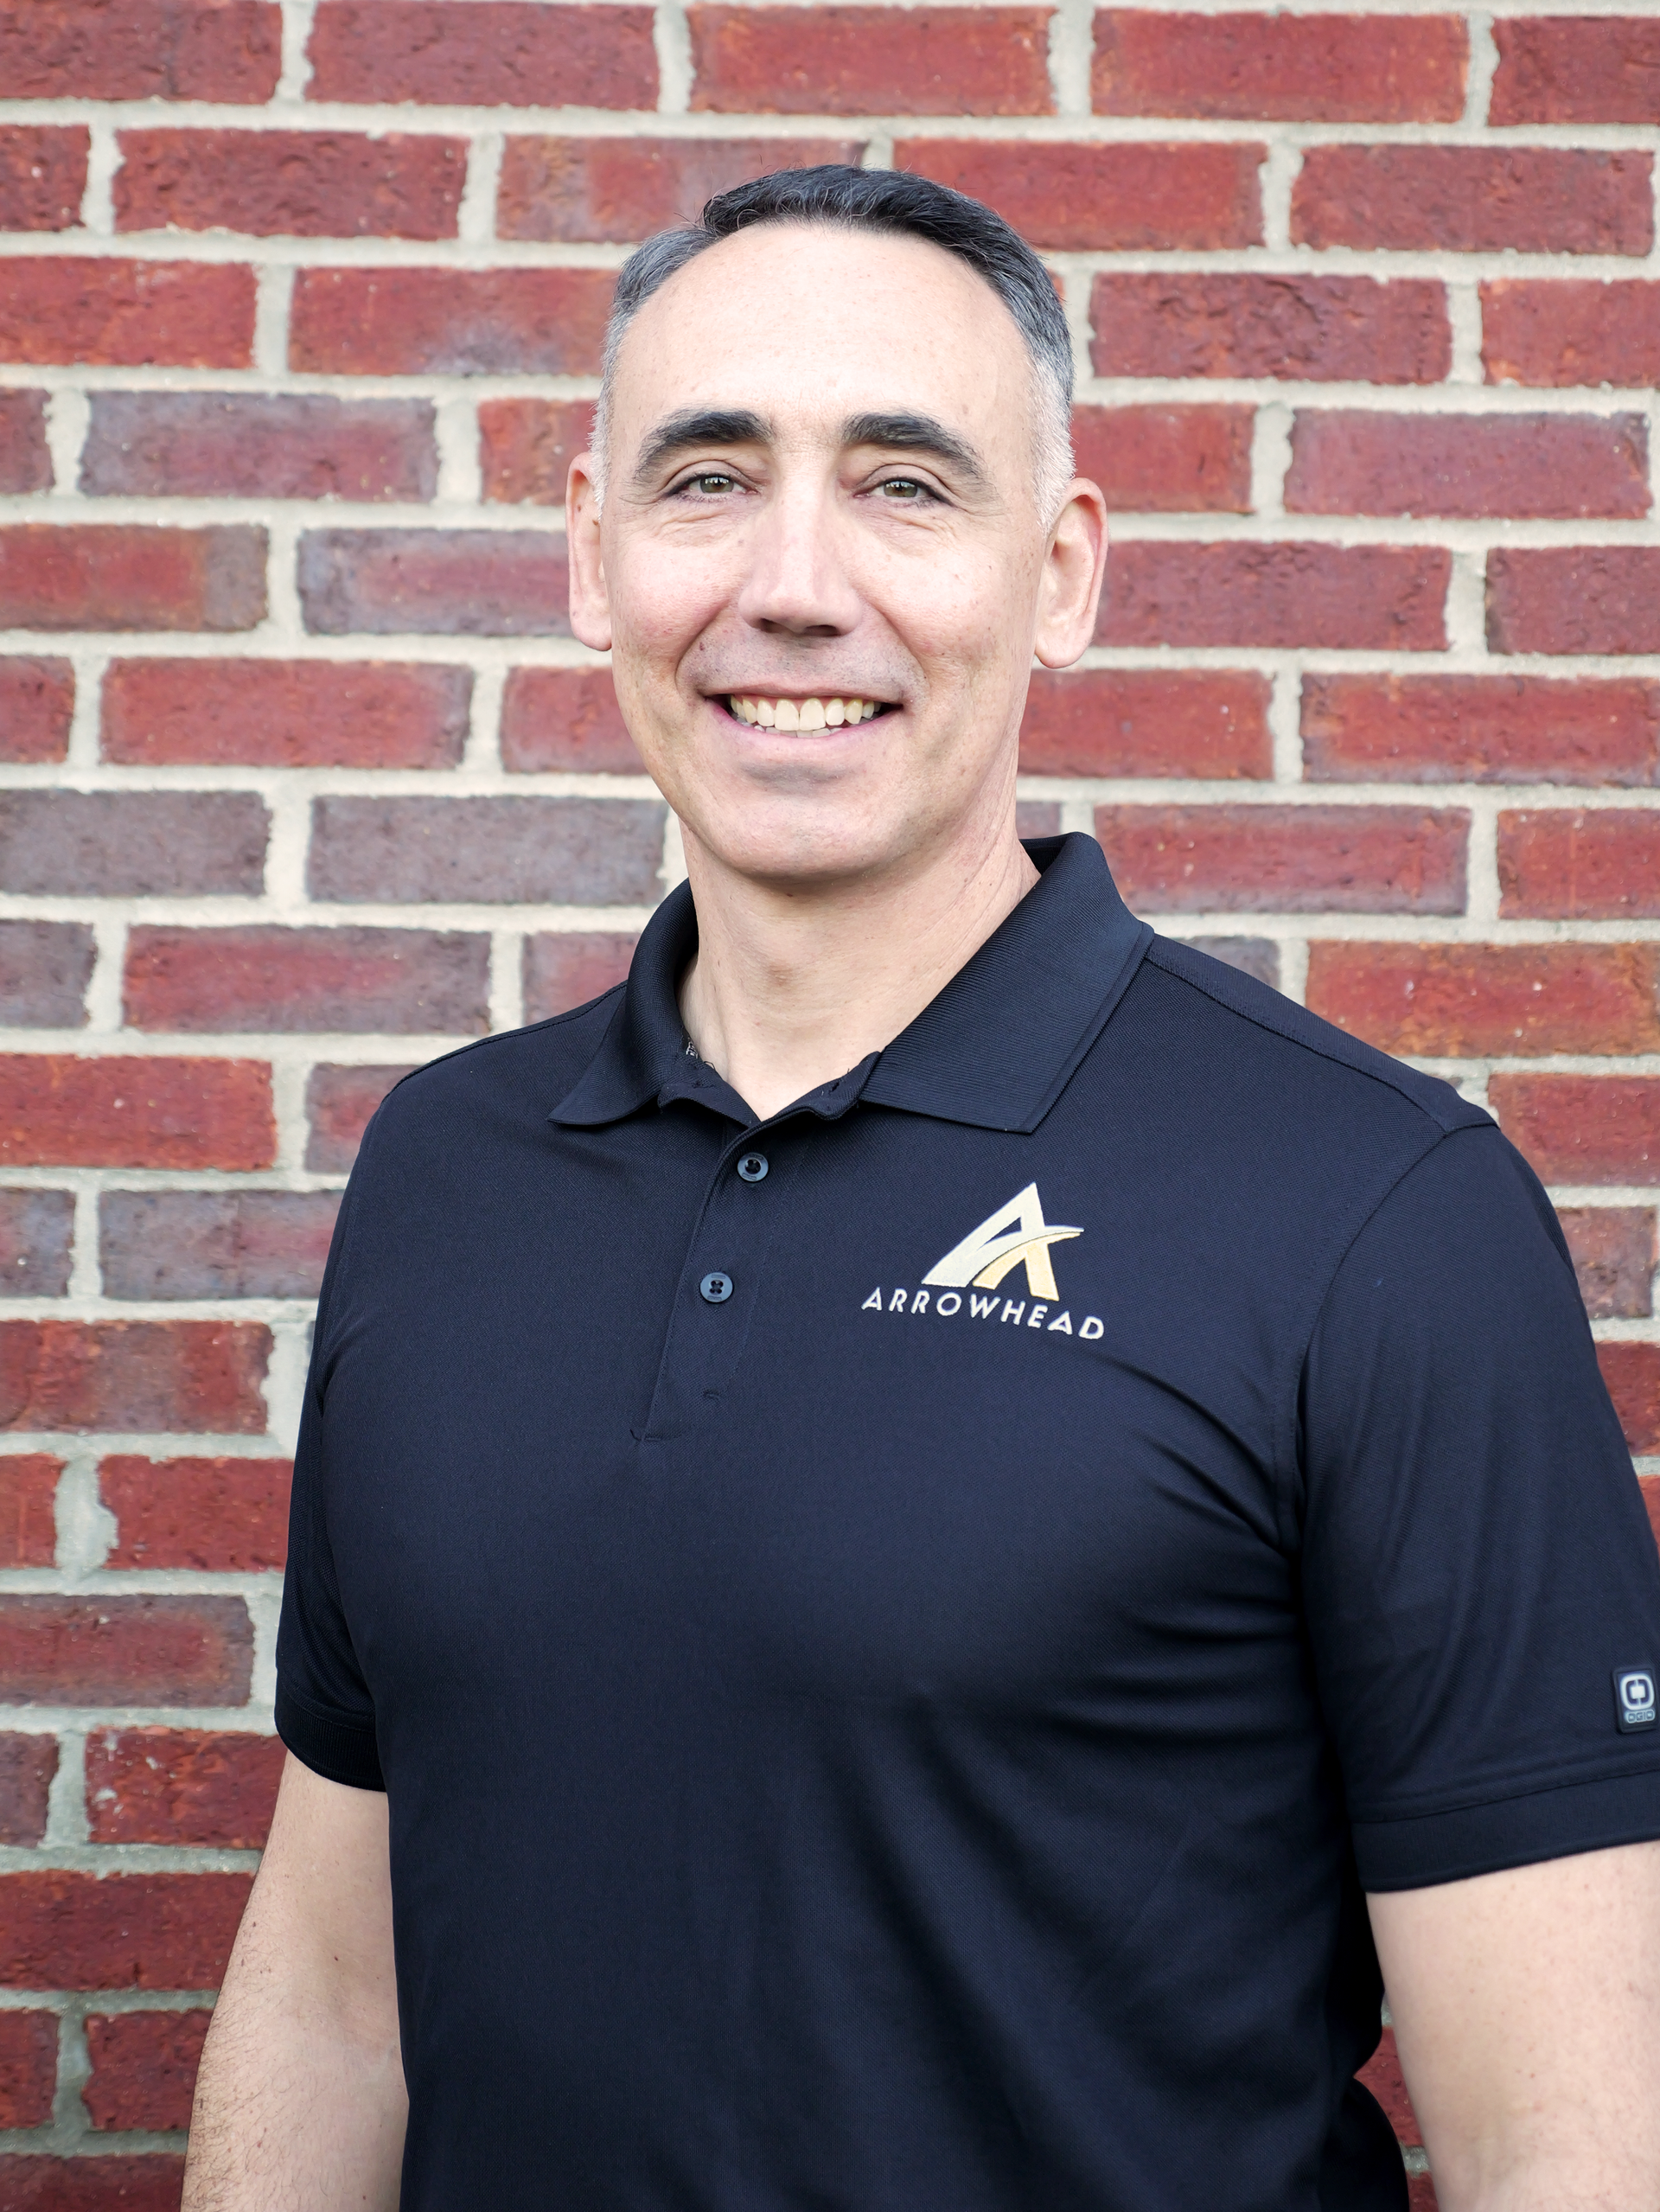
{"points": [[716, 1289], [753, 1167]]}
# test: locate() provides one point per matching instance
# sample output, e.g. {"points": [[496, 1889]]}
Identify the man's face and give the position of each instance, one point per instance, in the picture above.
{"points": [[821, 566]]}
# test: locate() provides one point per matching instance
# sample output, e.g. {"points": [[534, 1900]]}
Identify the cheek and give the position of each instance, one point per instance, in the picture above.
{"points": [[662, 600]]}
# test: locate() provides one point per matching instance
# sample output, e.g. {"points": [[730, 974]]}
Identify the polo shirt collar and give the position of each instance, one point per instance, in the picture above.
{"points": [[994, 1049]]}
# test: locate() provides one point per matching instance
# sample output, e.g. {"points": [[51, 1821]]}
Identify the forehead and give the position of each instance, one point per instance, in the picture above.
{"points": [[810, 325]]}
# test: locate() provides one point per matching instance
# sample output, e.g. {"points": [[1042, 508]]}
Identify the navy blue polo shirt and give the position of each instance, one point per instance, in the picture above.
{"points": [[898, 1635]]}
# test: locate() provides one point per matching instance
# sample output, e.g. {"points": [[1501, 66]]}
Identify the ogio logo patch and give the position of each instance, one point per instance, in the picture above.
{"points": [[1634, 1705], [1015, 1235]]}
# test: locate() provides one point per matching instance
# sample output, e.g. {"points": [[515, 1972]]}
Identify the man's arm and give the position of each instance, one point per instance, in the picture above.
{"points": [[1527, 2011], [300, 2101]]}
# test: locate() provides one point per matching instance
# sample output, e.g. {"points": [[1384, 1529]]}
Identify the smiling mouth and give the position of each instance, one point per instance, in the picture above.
{"points": [[803, 713]]}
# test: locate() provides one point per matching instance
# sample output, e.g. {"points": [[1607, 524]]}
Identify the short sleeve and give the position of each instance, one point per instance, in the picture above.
{"points": [[1478, 1570], [324, 1712]]}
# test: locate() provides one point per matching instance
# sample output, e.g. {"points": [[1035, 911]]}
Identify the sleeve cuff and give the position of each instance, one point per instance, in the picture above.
{"points": [[338, 1746], [1558, 1822]]}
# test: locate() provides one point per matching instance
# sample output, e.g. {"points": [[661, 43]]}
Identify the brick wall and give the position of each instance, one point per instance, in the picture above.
{"points": [[299, 315]]}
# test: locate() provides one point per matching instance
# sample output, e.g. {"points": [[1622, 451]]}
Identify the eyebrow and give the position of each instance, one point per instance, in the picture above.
{"points": [[906, 433]]}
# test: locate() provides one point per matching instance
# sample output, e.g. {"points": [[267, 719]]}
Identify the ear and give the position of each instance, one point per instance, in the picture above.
{"points": [[1074, 567], [591, 606]]}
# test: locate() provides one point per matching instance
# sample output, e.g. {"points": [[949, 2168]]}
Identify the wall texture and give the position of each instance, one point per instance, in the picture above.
{"points": [[299, 313]]}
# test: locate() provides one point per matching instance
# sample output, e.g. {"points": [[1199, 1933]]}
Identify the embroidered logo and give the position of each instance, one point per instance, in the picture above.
{"points": [[1634, 1705], [1016, 1235]]}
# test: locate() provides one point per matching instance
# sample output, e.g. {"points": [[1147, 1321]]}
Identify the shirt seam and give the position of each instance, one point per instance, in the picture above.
{"points": [[1537, 1788]]}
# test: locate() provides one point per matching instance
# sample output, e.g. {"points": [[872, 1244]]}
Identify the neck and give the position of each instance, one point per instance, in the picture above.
{"points": [[794, 985]]}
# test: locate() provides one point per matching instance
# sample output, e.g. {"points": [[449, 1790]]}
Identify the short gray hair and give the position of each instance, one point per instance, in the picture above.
{"points": [[893, 202]]}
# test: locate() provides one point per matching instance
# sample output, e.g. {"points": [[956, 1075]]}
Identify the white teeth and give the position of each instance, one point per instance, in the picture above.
{"points": [[802, 714]]}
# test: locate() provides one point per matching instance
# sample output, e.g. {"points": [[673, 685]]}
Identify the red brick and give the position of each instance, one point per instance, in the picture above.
{"points": [[565, 718], [1585, 70], [37, 700], [214, 1243], [1480, 730], [538, 851], [1570, 333], [174, 1378], [565, 969], [29, 2067], [1167, 460], [126, 314], [761, 61], [1587, 862], [285, 713], [1257, 956], [1290, 68], [450, 322], [1382, 2074], [143, 2068], [59, 1111], [483, 54], [25, 460], [36, 1231], [125, 576], [1474, 199], [1086, 198], [172, 444], [27, 1764], [228, 50], [149, 2183], [454, 583], [1613, 1250], [1315, 330], [29, 1489], [223, 1516], [526, 446], [1583, 1128], [1575, 599], [42, 173], [1632, 1374], [1147, 722], [1459, 1001], [124, 1651], [1649, 1485], [181, 1786], [600, 190], [290, 184], [1350, 461], [338, 1103], [1378, 599], [117, 1931], [1275, 860], [132, 844], [44, 967], [398, 981], [1036, 818]]}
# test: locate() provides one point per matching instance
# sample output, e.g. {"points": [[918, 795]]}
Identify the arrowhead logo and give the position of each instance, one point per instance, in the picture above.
{"points": [[1015, 1235]]}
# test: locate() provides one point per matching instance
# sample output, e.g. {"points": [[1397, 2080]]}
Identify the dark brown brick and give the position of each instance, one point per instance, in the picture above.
{"points": [[601, 189], [42, 173], [124, 1651], [338, 1103], [44, 967], [132, 844], [207, 445], [286, 713], [457, 583], [37, 700], [1613, 1249], [290, 184], [25, 460], [127, 576], [167, 1378], [541, 851], [36, 1233], [567, 968], [214, 1243], [396, 982], [27, 1764], [565, 719]]}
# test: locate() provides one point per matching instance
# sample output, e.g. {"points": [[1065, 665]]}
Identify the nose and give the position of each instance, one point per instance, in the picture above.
{"points": [[798, 584]]}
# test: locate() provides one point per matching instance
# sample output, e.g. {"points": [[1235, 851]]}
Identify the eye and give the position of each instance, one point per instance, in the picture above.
{"points": [[904, 491], [708, 483]]}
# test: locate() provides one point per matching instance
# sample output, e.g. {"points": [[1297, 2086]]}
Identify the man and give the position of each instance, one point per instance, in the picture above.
{"points": [[940, 1521]]}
